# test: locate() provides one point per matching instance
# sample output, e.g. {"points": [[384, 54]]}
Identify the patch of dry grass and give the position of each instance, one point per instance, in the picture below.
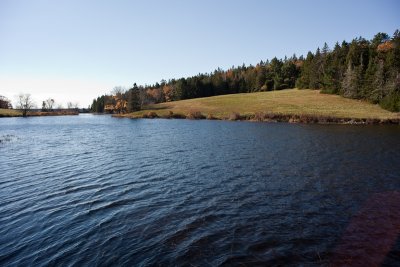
{"points": [[17, 113], [287, 102], [10, 113], [53, 113]]}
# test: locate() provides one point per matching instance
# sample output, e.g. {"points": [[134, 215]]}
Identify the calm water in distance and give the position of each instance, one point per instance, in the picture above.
{"points": [[99, 191]]}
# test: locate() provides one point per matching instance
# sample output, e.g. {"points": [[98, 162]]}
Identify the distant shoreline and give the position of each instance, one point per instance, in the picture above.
{"points": [[9, 113]]}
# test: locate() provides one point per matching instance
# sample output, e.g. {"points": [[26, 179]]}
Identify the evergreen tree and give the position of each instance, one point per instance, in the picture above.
{"points": [[261, 77], [134, 101], [316, 71], [394, 54], [369, 81], [304, 79], [276, 71], [325, 50], [289, 73], [378, 91], [392, 100], [378, 39], [329, 75]]}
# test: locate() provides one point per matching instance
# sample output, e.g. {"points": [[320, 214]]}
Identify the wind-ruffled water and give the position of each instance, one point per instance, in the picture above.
{"points": [[99, 191]]}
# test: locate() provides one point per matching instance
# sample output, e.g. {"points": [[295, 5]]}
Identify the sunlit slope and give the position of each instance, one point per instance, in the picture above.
{"points": [[292, 102]]}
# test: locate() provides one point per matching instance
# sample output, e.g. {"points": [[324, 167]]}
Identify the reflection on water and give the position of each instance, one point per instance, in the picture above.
{"points": [[93, 190]]}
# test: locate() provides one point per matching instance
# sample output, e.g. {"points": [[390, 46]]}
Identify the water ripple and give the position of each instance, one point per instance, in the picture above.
{"points": [[92, 190]]}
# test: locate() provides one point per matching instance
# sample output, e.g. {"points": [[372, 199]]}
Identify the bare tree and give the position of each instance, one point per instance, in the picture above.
{"points": [[70, 105], [118, 91], [25, 103], [49, 104], [144, 98]]}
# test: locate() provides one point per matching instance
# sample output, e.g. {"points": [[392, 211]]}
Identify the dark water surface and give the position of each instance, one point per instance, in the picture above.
{"points": [[94, 190]]}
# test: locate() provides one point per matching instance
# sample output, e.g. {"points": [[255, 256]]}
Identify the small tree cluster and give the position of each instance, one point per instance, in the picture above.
{"points": [[72, 105], [48, 104], [120, 100], [5, 103]]}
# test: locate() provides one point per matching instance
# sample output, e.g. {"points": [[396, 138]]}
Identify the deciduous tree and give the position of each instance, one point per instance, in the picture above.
{"points": [[25, 103]]}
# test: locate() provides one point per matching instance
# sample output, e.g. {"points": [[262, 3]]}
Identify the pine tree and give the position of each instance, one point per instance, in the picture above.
{"points": [[368, 82], [325, 50], [289, 72], [260, 77], [304, 80], [329, 85], [392, 100], [333, 73], [394, 53], [134, 103], [316, 71]]}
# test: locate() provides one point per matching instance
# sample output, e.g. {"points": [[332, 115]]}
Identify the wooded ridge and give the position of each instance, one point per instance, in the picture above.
{"points": [[362, 69]]}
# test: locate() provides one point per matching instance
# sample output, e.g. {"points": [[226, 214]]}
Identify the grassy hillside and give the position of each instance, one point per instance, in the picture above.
{"points": [[284, 102], [9, 113]]}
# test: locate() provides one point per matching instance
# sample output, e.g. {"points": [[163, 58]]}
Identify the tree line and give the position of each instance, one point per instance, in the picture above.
{"points": [[25, 104], [361, 69]]}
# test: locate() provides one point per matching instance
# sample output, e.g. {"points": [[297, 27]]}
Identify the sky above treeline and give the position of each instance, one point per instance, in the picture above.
{"points": [[76, 50]]}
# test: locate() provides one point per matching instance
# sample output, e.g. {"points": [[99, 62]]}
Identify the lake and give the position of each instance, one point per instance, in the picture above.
{"points": [[100, 191]]}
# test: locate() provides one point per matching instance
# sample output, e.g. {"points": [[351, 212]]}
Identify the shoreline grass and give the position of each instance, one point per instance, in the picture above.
{"points": [[18, 113], [291, 105], [10, 113], [52, 113]]}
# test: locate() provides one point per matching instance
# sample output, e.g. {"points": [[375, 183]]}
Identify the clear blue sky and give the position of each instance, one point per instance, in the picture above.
{"points": [[78, 49]]}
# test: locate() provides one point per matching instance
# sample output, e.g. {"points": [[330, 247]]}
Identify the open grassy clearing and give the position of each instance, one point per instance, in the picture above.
{"points": [[286, 102]]}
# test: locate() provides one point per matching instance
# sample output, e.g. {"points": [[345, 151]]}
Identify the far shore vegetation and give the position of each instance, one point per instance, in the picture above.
{"points": [[26, 107], [356, 77], [35, 113], [292, 105]]}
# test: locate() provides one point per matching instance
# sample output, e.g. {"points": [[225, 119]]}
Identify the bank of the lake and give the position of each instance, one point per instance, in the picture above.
{"points": [[10, 113], [18, 113], [292, 105]]}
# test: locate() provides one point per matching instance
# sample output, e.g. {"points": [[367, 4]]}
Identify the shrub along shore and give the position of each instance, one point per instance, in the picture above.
{"points": [[264, 117]]}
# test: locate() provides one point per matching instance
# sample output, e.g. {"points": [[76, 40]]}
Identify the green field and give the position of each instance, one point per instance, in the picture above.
{"points": [[287, 102], [10, 113]]}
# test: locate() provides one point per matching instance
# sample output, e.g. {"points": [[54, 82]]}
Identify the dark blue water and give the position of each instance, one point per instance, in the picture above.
{"points": [[99, 191]]}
